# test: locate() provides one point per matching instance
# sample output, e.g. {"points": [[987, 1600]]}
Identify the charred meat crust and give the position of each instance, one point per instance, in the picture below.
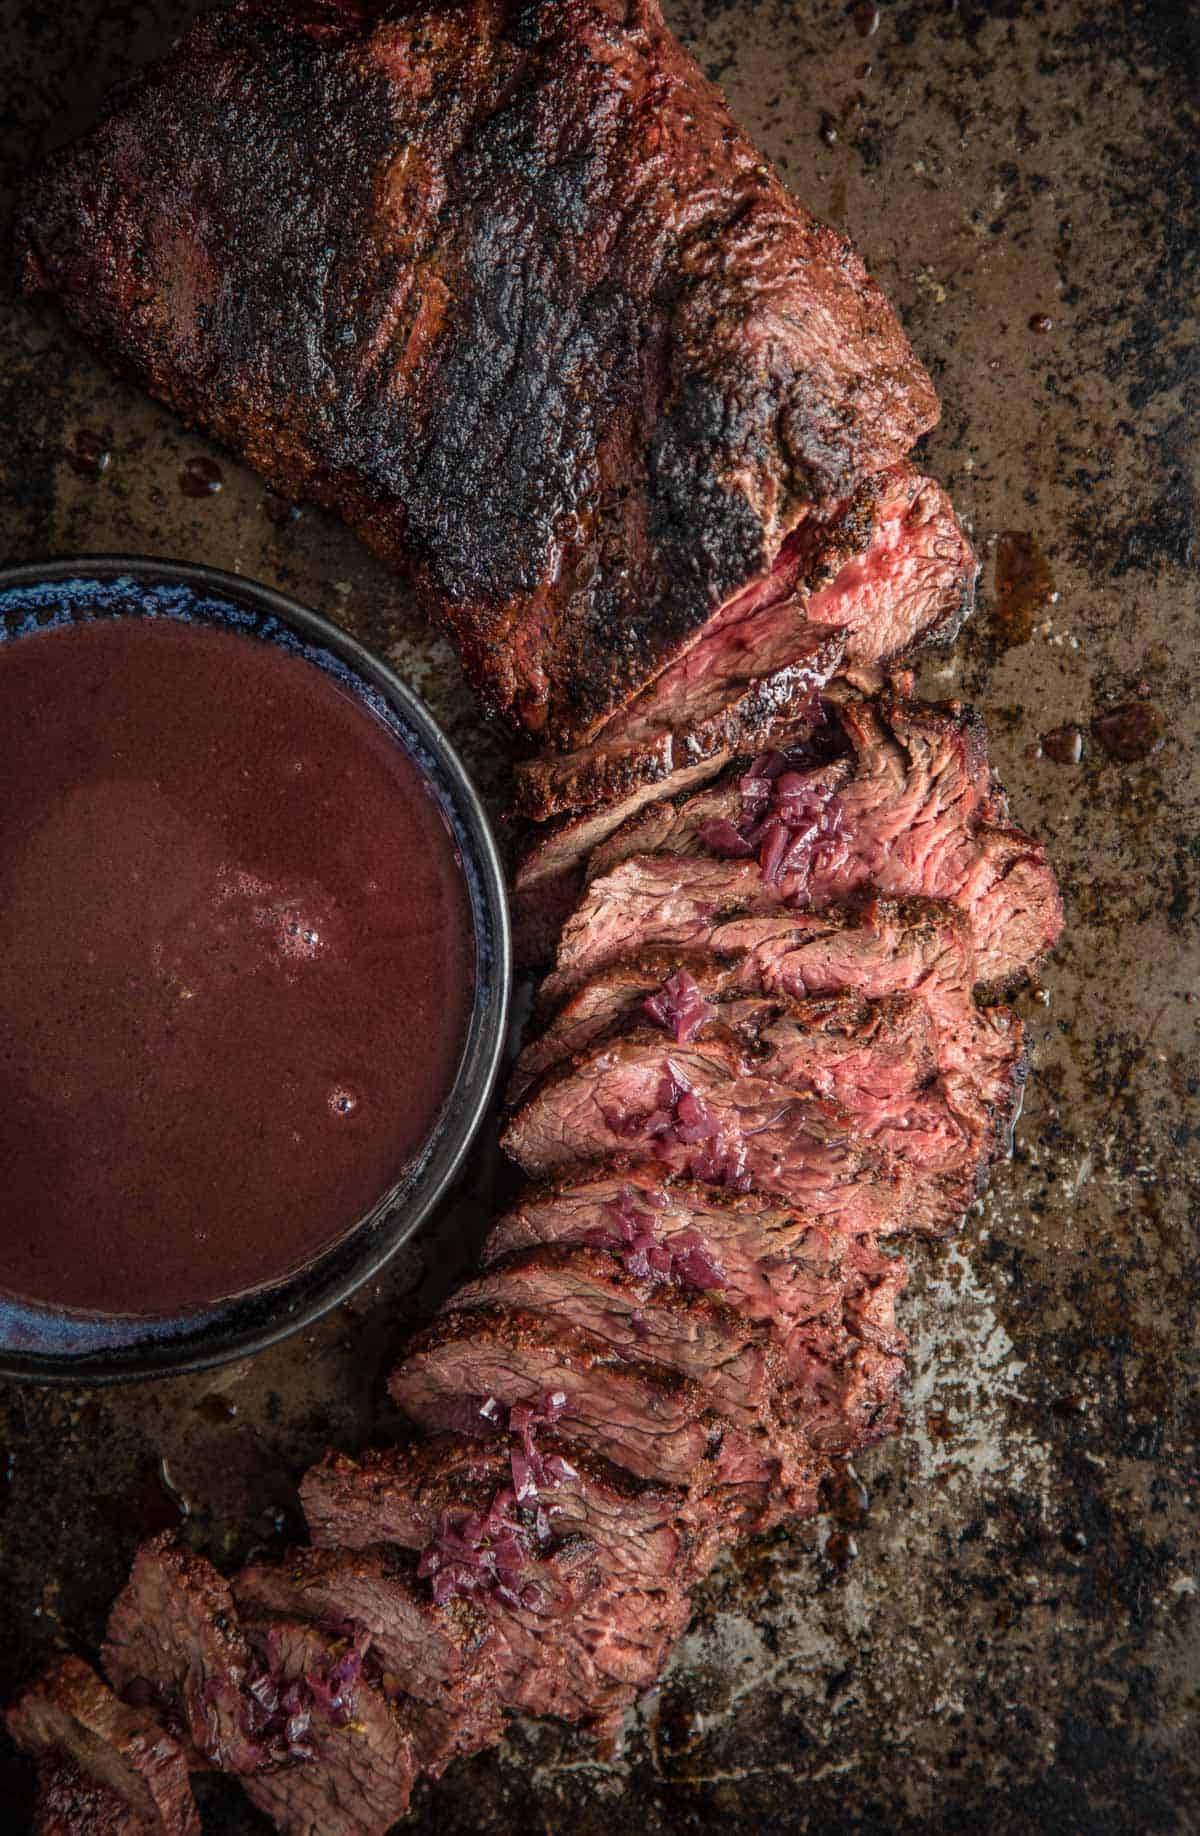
{"points": [[504, 285]]}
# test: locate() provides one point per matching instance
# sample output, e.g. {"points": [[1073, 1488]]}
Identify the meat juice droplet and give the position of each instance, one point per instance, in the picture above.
{"points": [[1063, 744], [1130, 732], [200, 478], [843, 1495], [280, 510], [865, 18], [89, 454], [1041, 322], [1024, 584]]}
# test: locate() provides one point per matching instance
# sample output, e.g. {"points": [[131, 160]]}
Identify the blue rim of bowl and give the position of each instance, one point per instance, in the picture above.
{"points": [[48, 1345]]}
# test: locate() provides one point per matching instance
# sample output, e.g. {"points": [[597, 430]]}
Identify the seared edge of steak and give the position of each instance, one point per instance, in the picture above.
{"points": [[673, 369], [174, 1639], [70, 1711]]}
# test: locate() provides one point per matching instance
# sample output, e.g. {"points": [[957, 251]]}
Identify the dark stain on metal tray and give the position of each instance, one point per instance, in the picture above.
{"points": [[1004, 1636]]}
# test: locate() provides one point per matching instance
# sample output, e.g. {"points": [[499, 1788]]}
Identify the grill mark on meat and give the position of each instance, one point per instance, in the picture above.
{"points": [[895, 572], [524, 307], [117, 1760]]}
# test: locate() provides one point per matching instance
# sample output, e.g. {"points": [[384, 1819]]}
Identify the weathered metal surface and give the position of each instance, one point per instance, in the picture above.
{"points": [[1014, 1646]]}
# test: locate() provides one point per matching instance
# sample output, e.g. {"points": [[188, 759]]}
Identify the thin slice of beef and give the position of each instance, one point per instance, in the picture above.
{"points": [[610, 371], [585, 1664], [830, 1300], [735, 689], [72, 1803], [174, 1640], [125, 1752], [735, 1363], [694, 1108], [774, 1391], [647, 1531], [847, 1037], [552, 871], [883, 948], [443, 1656], [876, 1060], [350, 1764], [914, 811], [894, 572], [650, 1419]]}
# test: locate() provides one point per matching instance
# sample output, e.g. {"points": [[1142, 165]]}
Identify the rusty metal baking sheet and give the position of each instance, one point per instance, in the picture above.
{"points": [[999, 1630]]}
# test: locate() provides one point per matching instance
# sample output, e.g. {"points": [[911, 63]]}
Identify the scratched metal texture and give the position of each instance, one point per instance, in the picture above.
{"points": [[1006, 1638]]}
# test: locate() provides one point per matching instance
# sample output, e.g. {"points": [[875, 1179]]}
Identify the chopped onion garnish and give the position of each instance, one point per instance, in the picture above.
{"points": [[678, 1007]]}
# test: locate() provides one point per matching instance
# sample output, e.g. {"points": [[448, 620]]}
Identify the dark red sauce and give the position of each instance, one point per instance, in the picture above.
{"points": [[235, 963]]}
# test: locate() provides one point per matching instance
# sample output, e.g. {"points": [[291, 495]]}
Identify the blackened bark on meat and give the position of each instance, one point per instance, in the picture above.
{"points": [[507, 288], [894, 573]]}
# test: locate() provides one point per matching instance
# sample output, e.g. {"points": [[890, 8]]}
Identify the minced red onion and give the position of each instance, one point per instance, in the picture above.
{"points": [[785, 819], [488, 1551], [684, 1258], [678, 1007], [279, 1712]]}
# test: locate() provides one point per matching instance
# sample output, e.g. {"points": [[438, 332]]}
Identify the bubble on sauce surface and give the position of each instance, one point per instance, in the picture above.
{"points": [[342, 1100]]}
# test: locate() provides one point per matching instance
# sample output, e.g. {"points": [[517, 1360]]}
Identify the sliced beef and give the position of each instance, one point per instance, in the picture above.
{"points": [[124, 1753], [72, 1803], [734, 1363], [876, 1060], [350, 1764], [894, 572], [583, 1664], [696, 1109], [844, 1035], [880, 949], [611, 372], [914, 811], [775, 1389], [174, 1641], [549, 876], [733, 690], [443, 1656], [830, 1300], [648, 1418], [646, 1531]]}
